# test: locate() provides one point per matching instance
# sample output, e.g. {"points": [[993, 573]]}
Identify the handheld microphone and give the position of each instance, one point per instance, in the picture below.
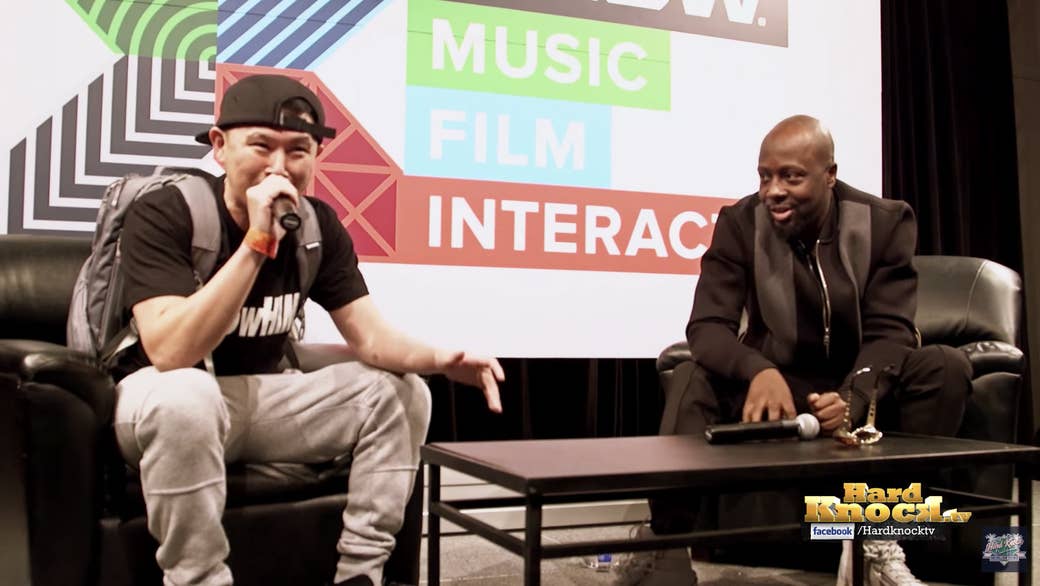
{"points": [[285, 212], [805, 426]]}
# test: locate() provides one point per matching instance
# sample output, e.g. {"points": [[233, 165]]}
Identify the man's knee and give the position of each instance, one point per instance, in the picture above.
{"points": [[939, 366], [414, 394], [185, 404], [388, 390], [414, 397], [933, 391], [956, 361], [191, 398]]}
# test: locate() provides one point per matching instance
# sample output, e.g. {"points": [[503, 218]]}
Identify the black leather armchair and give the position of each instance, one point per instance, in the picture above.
{"points": [[84, 510]]}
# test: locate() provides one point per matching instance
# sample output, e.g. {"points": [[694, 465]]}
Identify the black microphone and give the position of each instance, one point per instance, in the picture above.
{"points": [[285, 212], [805, 426]]}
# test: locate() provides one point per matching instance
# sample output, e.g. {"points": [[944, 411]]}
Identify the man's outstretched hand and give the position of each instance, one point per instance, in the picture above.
{"points": [[483, 373]]}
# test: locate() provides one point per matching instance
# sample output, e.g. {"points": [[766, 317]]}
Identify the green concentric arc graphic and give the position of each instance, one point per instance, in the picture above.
{"points": [[179, 29]]}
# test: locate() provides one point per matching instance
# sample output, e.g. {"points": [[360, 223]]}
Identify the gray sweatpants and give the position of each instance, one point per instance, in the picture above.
{"points": [[180, 427]]}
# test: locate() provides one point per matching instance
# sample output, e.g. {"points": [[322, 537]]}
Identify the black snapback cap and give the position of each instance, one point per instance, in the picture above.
{"points": [[258, 100]]}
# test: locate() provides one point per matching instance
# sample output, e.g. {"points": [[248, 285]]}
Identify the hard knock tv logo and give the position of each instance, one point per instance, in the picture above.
{"points": [[755, 21], [866, 512]]}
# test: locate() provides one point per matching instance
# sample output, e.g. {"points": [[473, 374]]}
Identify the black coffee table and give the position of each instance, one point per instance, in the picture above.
{"points": [[584, 470]]}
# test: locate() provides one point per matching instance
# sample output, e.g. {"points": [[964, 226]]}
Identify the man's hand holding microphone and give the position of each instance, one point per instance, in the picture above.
{"points": [[272, 207]]}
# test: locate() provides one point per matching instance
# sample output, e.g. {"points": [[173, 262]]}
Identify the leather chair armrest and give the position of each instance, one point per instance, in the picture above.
{"points": [[53, 364], [990, 356], [672, 356]]}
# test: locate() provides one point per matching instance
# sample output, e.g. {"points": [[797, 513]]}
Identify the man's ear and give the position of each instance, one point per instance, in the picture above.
{"points": [[832, 174], [218, 139]]}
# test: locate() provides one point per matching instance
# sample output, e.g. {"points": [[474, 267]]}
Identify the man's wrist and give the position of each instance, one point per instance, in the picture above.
{"points": [[261, 242], [752, 365], [441, 359]]}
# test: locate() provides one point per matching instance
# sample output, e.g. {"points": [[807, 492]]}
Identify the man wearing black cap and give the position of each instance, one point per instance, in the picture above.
{"points": [[180, 424]]}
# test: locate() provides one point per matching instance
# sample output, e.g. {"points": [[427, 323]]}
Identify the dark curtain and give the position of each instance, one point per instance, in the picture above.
{"points": [[948, 125], [948, 149], [553, 398]]}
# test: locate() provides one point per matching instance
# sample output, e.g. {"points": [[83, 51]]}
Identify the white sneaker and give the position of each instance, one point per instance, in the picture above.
{"points": [[884, 564], [670, 567]]}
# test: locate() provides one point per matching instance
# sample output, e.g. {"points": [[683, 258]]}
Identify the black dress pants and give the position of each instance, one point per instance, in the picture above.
{"points": [[927, 396]]}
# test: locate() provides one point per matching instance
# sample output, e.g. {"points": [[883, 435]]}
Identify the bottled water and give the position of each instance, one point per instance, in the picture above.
{"points": [[603, 562]]}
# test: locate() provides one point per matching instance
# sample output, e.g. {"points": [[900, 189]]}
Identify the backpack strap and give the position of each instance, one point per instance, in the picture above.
{"points": [[205, 233], [308, 261], [205, 221], [121, 340], [308, 247]]}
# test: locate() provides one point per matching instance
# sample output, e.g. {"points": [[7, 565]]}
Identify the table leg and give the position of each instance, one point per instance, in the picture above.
{"points": [[533, 541], [1025, 519], [857, 562], [433, 528]]}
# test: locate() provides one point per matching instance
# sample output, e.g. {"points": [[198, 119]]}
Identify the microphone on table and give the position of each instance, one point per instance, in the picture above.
{"points": [[285, 212], [805, 427]]}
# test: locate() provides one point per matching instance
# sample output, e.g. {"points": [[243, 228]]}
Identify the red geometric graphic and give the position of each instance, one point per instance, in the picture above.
{"points": [[355, 185], [354, 174]]}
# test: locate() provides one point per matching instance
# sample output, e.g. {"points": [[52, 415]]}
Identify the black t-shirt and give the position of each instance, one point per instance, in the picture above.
{"points": [[156, 260]]}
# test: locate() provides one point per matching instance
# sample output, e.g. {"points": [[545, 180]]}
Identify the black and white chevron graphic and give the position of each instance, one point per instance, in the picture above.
{"points": [[144, 112]]}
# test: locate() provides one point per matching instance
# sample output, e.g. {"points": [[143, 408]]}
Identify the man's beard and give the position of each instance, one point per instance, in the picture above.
{"points": [[788, 229], [793, 224]]}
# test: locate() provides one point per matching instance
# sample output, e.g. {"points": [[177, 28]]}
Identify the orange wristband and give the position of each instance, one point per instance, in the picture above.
{"points": [[261, 242]]}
